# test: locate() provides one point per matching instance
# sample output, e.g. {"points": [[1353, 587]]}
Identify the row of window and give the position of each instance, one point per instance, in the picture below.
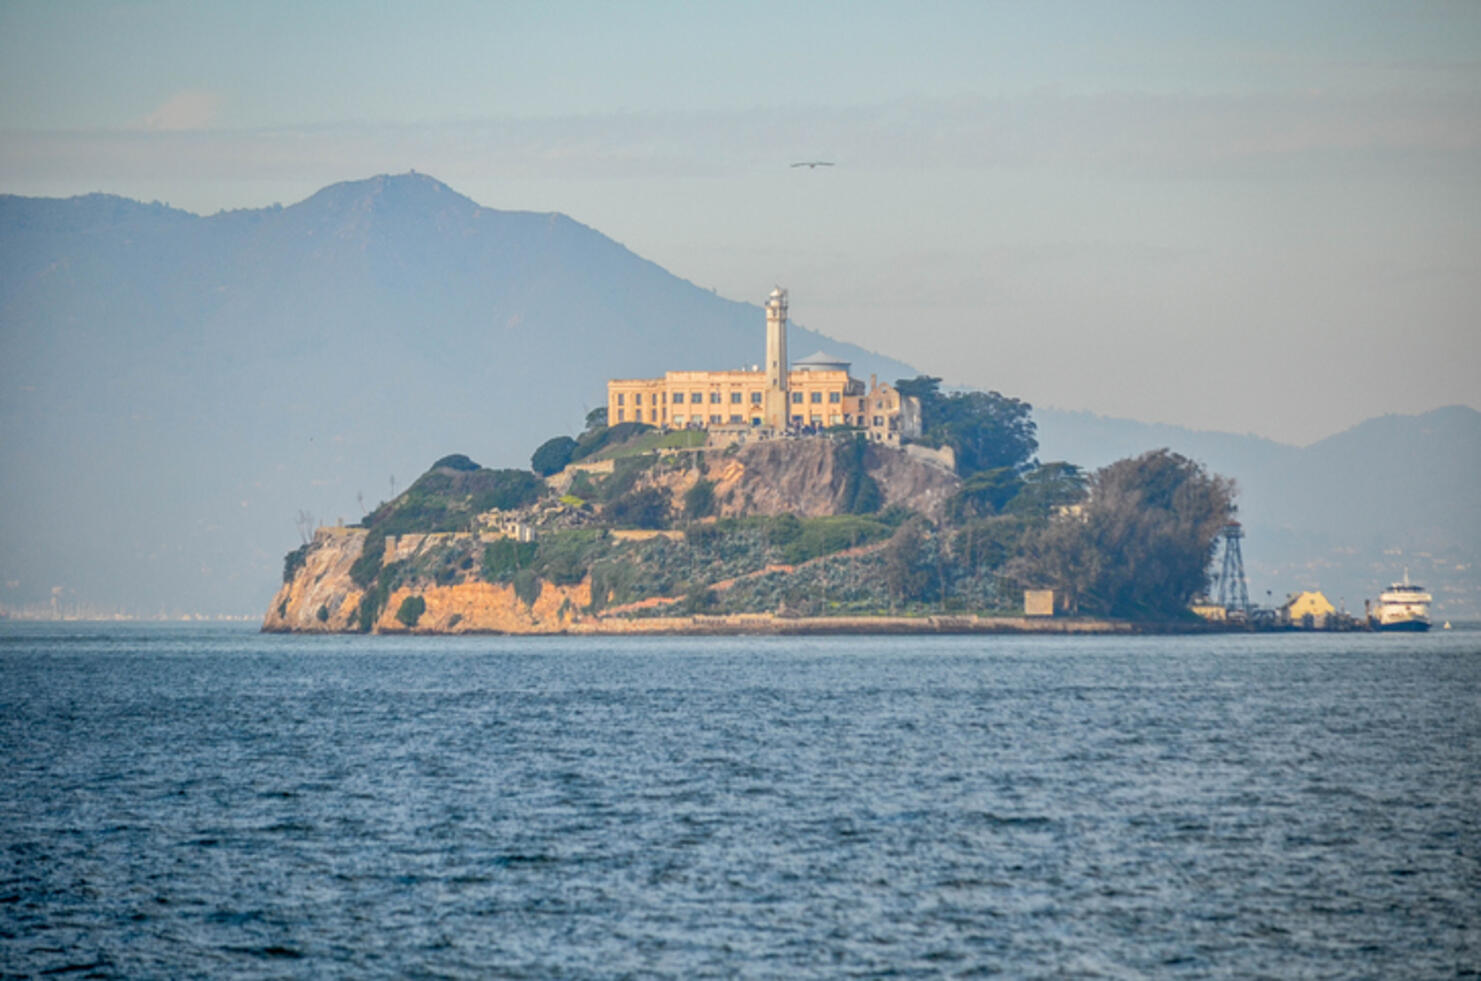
{"points": [[735, 398], [737, 419]]}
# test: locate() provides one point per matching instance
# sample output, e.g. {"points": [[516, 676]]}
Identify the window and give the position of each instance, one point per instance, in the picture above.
{"points": [[815, 397], [714, 398], [879, 420], [637, 398], [652, 415], [755, 398], [835, 419], [815, 420], [620, 398], [621, 413], [796, 420], [679, 420], [715, 420], [797, 400], [664, 397], [735, 398], [696, 397], [736, 418], [678, 398], [835, 397], [878, 403]]}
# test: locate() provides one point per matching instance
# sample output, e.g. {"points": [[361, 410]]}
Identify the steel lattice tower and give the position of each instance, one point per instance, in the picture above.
{"points": [[1234, 594]]}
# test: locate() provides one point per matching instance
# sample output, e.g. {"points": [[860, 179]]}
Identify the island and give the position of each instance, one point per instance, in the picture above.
{"points": [[791, 497]]}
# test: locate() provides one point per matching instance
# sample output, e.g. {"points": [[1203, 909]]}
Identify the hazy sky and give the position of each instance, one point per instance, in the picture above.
{"points": [[1246, 216]]}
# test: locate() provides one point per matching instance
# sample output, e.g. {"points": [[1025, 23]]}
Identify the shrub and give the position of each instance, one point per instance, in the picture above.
{"points": [[455, 461], [366, 567], [625, 474], [783, 530], [293, 561], [506, 557], [564, 557], [411, 610], [699, 500], [646, 508], [527, 586], [553, 455], [595, 440], [833, 533], [375, 597], [502, 489]]}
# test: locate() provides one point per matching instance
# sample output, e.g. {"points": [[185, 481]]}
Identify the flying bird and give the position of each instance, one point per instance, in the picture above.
{"points": [[812, 164]]}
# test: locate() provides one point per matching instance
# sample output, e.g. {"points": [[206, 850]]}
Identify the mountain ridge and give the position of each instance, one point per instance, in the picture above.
{"points": [[176, 387]]}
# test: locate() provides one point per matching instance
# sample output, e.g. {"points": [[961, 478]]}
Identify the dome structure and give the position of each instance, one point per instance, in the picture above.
{"points": [[821, 361]]}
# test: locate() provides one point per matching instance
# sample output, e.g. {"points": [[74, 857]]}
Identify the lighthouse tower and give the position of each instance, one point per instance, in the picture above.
{"points": [[775, 400]]}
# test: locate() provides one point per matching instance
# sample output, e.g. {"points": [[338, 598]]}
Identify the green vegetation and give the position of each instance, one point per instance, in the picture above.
{"points": [[1141, 546], [985, 429], [503, 559], [294, 560], [455, 461], [645, 508], [411, 610], [553, 455], [699, 500], [376, 595], [817, 537], [527, 586], [861, 494]]}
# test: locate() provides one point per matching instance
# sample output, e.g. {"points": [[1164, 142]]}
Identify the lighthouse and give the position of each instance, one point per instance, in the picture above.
{"points": [[775, 399]]}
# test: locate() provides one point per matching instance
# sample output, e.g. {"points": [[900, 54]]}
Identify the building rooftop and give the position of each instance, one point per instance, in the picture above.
{"points": [[820, 361]]}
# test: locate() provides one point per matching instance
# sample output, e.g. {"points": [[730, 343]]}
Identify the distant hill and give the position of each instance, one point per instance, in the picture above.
{"points": [[1346, 515], [174, 388]]}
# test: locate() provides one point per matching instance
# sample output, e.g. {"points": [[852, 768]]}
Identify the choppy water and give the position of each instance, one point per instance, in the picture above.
{"points": [[183, 801]]}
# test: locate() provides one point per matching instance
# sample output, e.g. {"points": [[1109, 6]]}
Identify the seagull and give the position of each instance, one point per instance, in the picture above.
{"points": [[812, 164]]}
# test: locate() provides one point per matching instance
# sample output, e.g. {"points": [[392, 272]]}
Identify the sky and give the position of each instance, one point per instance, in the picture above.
{"points": [[1256, 217]]}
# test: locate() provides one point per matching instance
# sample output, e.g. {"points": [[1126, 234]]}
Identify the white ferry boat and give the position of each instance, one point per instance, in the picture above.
{"points": [[1404, 606]]}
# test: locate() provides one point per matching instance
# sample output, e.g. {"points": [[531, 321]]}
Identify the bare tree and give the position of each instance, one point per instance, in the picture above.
{"points": [[305, 523]]}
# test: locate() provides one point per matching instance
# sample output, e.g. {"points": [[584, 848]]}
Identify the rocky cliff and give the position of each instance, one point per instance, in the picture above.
{"points": [[558, 563], [808, 477]]}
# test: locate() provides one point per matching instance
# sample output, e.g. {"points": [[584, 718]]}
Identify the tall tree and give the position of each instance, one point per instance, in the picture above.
{"points": [[1141, 545], [985, 429]]}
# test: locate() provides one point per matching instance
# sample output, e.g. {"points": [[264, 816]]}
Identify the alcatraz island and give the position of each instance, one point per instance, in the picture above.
{"points": [[788, 498]]}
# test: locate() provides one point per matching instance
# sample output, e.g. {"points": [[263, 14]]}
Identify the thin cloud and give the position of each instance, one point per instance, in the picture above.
{"points": [[184, 111]]}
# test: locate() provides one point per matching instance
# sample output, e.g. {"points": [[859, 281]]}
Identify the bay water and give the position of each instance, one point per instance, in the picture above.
{"points": [[186, 800]]}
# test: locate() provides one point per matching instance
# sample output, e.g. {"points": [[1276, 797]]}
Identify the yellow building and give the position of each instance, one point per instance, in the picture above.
{"points": [[815, 393], [1307, 609]]}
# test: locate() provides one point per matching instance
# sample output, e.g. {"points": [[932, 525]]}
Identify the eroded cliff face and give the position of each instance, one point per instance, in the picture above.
{"points": [[480, 607], [802, 476], [321, 598]]}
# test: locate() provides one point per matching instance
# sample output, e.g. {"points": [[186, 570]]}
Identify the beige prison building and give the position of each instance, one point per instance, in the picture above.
{"points": [[810, 394]]}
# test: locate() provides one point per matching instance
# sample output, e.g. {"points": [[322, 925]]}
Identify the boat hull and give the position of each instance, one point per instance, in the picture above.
{"points": [[1404, 626]]}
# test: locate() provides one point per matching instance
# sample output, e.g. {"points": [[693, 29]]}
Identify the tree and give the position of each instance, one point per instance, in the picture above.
{"points": [[553, 455], [646, 508], [1048, 487], [906, 572], [986, 430], [984, 494], [411, 610], [455, 461], [699, 500], [1142, 544], [596, 419]]}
